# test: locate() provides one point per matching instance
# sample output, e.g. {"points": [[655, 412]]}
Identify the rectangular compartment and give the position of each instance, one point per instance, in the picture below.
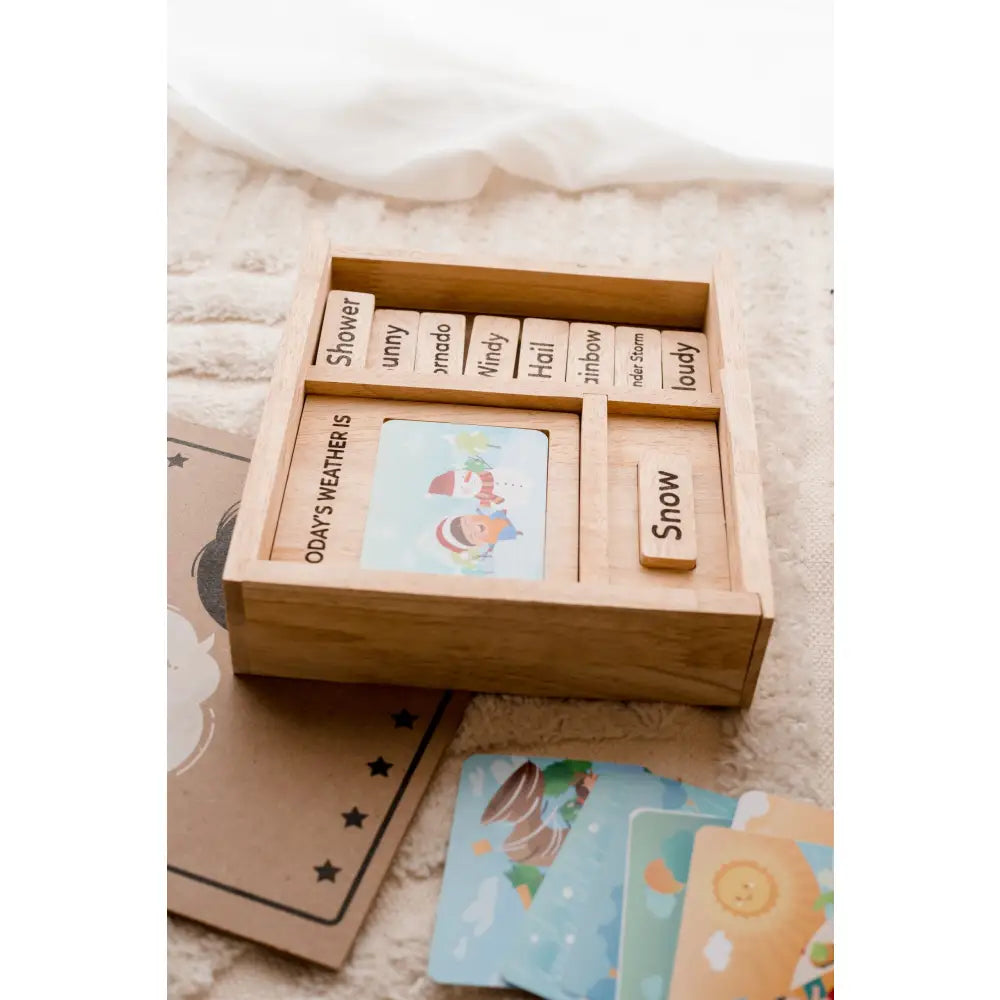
{"points": [[326, 499], [598, 624]]}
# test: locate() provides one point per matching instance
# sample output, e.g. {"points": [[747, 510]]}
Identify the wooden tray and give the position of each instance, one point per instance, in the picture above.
{"points": [[600, 624]]}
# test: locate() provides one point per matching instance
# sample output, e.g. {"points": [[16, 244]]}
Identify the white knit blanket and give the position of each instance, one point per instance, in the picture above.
{"points": [[235, 236]]}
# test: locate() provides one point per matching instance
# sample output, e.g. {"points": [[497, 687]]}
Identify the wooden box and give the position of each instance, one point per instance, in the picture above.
{"points": [[600, 624]]}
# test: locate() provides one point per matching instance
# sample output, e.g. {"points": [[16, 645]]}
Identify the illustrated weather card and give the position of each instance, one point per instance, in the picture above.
{"points": [[458, 499], [512, 817], [286, 799], [656, 874], [758, 812], [567, 946], [757, 921]]}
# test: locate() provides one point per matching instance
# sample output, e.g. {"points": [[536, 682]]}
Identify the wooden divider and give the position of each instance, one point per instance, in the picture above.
{"points": [[594, 490]]}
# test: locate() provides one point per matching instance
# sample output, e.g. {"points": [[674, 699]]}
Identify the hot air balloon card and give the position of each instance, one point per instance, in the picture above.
{"points": [[657, 866], [512, 817], [458, 499], [286, 799], [757, 921], [759, 812], [567, 946]]}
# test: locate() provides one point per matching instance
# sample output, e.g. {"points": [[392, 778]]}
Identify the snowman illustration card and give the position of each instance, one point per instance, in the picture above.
{"points": [[512, 817], [567, 947], [757, 921], [458, 499]]}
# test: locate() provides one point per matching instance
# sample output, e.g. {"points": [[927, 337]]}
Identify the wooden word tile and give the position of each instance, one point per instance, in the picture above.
{"points": [[591, 354], [347, 325], [544, 343], [666, 512], [493, 347], [393, 341], [637, 357], [685, 361], [441, 344]]}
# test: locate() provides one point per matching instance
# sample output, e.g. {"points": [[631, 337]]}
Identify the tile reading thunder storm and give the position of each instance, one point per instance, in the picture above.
{"points": [[458, 499]]}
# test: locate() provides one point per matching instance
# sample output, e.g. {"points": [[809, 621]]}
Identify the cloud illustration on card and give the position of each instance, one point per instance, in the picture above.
{"points": [[480, 912], [718, 951], [192, 677]]}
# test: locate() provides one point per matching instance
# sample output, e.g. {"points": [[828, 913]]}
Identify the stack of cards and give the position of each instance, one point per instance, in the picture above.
{"points": [[579, 880]]}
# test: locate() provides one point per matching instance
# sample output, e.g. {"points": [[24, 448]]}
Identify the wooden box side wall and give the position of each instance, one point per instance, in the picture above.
{"points": [[743, 493], [279, 422], [528, 637]]}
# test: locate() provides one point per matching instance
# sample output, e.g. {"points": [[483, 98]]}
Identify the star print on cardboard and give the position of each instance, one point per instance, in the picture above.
{"points": [[177, 460], [354, 818], [403, 719], [379, 767], [326, 872], [313, 903]]}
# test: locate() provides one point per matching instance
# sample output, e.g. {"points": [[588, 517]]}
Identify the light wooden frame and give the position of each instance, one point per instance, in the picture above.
{"points": [[583, 638]]}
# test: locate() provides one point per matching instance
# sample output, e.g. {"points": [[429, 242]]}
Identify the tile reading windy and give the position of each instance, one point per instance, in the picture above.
{"points": [[543, 350], [591, 358], [347, 325], [493, 347], [440, 344], [685, 361], [393, 343]]}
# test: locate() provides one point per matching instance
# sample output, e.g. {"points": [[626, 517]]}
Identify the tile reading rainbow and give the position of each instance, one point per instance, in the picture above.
{"points": [[458, 499]]}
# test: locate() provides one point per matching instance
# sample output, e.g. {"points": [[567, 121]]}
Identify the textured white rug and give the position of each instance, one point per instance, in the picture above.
{"points": [[235, 235]]}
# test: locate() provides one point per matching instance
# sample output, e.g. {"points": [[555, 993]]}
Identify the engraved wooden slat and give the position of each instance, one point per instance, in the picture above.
{"points": [[542, 354], [492, 347], [637, 358], [393, 342], [347, 327], [591, 355], [440, 344], [667, 535], [685, 361]]}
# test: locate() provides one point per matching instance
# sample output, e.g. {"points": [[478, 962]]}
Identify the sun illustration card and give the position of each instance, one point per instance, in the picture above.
{"points": [[512, 817], [757, 921], [656, 875], [567, 946], [758, 812], [458, 499]]}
